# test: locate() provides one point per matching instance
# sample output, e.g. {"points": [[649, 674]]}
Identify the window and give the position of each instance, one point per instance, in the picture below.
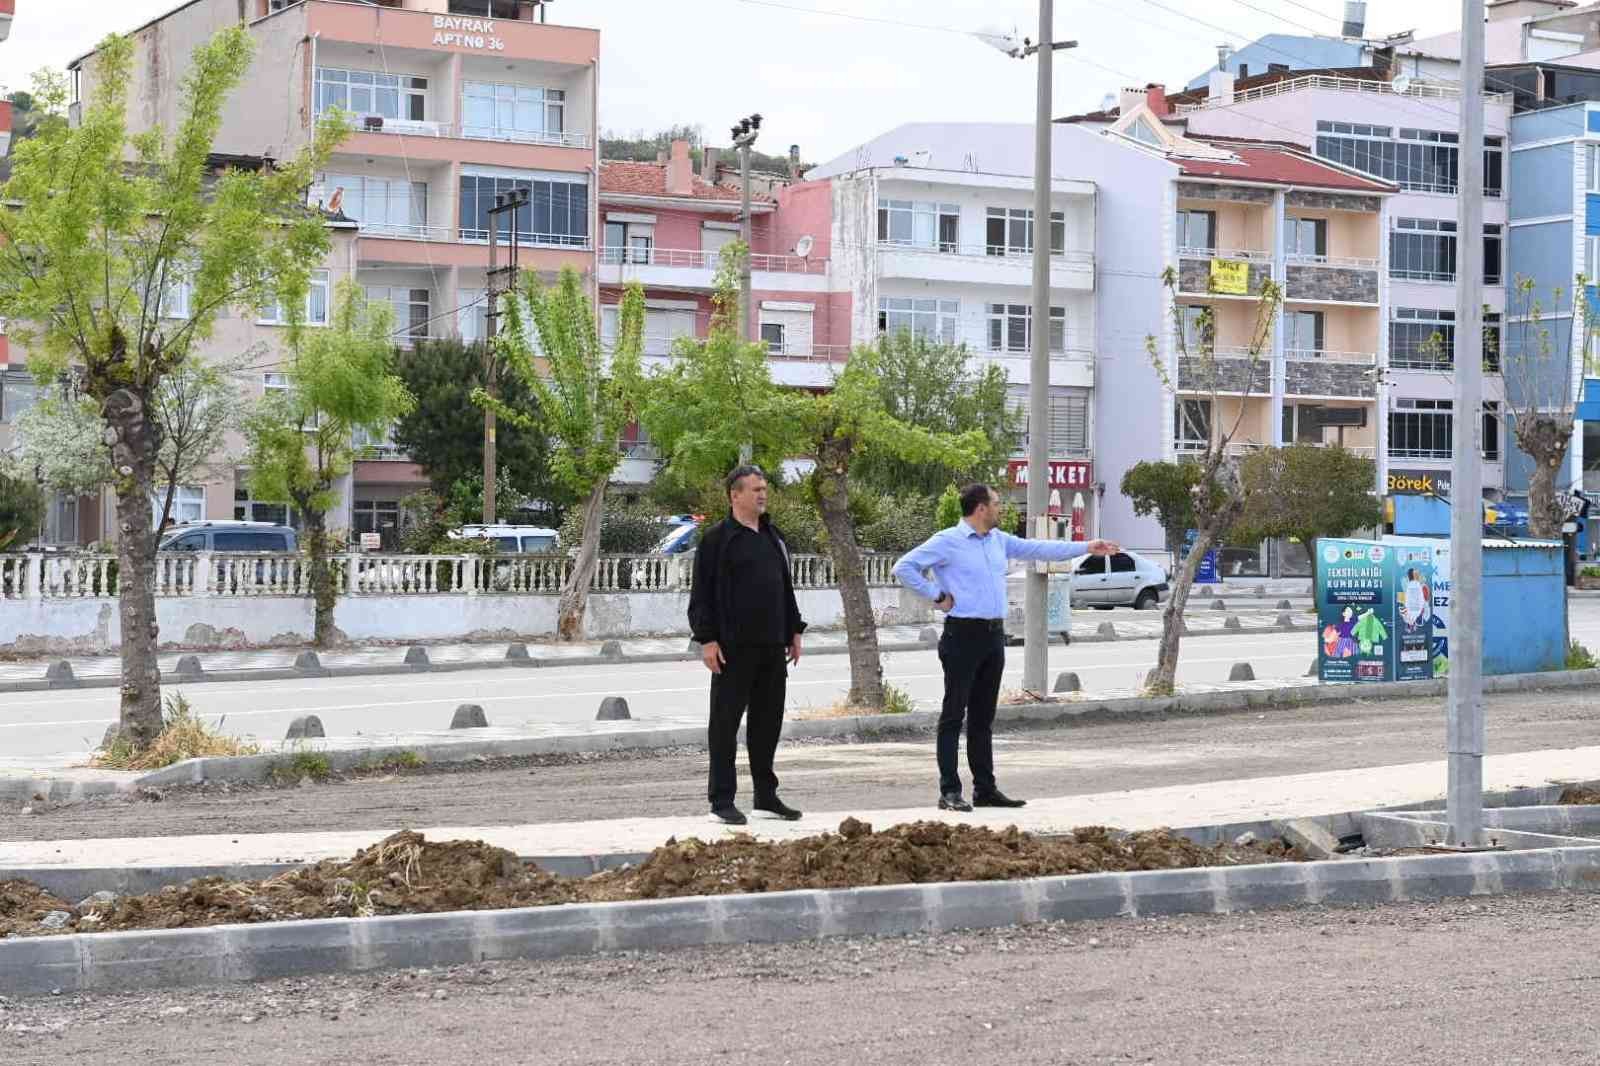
{"points": [[772, 337], [316, 310], [1491, 341], [1420, 429], [1591, 155], [1303, 332], [1069, 419], [370, 444], [1423, 249], [188, 503], [1011, 328], [412, 308], [557, 211], [383, 205], [175, 297], [1491, 431], [1092, 566], [1302, 423], [1418, 160], [1145, 133], [248, 540], [392, 97], [375, 516], [1591, 259], [1492, 246], [920, 224], [627, 242], [933, 320], [713, 239], [1199, 328], [472, 314], [17, 393], [1306, 238], [1122, 563], [1192, 425], [1197, 231], [497, 112], [1422, 339], [1009, 231]]}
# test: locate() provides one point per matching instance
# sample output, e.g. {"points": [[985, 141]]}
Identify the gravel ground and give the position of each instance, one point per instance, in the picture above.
{"points": [[1057, 761], [1484, 982]]}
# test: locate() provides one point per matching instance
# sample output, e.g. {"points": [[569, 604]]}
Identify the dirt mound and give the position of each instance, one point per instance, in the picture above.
{"points": [[1577, 794], [406, 874]]}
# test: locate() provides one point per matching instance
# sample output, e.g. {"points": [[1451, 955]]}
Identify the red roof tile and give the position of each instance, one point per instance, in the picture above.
{"points": [[650, 179], [1276, 165]]}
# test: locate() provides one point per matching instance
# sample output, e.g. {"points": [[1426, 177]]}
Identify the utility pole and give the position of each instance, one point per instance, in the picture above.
{"points": [[497, 283], [1036, 650], [744, 138], [1464, 731]]}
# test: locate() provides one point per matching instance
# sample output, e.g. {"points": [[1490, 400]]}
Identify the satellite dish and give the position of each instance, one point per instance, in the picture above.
{"points": [[1402, 84], [802, 247]]}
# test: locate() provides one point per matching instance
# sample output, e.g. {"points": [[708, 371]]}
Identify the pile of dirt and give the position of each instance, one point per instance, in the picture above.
{"points": [[1578, 794], [406, 874]]}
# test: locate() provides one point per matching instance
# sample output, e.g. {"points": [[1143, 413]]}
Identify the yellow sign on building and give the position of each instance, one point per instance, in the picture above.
{"points": [[1231, 277]]}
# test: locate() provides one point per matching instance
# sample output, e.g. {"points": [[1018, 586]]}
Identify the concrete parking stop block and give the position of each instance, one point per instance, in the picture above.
{"points": [[929, 636], [1285, 621], [308, 661], [469, 716], [60, 673], [1285, 605], [1233, 624], [305, 727], [1067, 681], [613, 709], [189, 668], [611, 649], [1241, 672], [1312, 672], [518, 653], [1219, 605], [1107, 630], [417, 657]]}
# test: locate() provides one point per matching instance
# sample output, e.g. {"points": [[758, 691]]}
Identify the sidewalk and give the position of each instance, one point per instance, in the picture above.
{"points": [[1210, 803]]}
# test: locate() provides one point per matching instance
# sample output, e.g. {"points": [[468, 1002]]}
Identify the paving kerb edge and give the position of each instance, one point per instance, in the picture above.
{"points": [[107, 962]]}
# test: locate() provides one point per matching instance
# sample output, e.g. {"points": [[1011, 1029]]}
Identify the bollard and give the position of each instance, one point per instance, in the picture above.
{"points": [[613, 709], [1285, 621], [1285, 605], [1218, 605], [929, 636], [611, 649], [189, 668], [1261, 592], [417, 657], [469, 716], [1241, 672], [1067, 682], [1107, 630], [1232, 624], [1204, 592], [307, 661], [60, 673], [305, 727], [518, 653]]}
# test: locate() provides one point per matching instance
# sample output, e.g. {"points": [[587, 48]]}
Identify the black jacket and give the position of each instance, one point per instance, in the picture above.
{"points": [[712, 597]]}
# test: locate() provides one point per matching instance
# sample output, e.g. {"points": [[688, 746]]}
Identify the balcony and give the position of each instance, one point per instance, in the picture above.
{"points": [[1415, 89], [459, 131], [1195, 271], [692, 268], [1322, 279], [1235, 373], [983, 265], [1317, 372], [461, 246]]}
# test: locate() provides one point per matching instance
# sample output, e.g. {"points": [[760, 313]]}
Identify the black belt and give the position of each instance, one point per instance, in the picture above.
{"points": [[992, 625]]}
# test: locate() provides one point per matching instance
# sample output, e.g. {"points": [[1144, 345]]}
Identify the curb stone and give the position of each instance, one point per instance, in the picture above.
{"points": [[123, 961]]}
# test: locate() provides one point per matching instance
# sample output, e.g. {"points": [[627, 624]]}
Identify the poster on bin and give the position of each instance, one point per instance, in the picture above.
{"points": [[1438, 597], [1412, 566], [1354, 611]]}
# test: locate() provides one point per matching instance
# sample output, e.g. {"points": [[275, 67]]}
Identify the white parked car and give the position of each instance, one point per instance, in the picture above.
{"points": [[1120, 580], [512, 540]]}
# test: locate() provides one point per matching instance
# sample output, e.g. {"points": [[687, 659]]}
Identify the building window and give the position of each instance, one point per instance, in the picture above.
{"points": [[17, 394], [920, 224], [1491, 341], [1422, 339], [412, 309], [1492, 253], [932, 320], [498, 112], [1491, 431], [1303, 332], [316, 310], [1306, 238], [1418, 160], [1199, 328], [1009, 231], [1069, 419], [1011, 328], [1197, 231], [383, 205], [364, 93], [1420, 429], [1192, 425], [556, 213], [188, 503], [1591, 156], [175, 297], [1144, 133], [772, 337], [1423, 249], [376, 516], [628, 242]]}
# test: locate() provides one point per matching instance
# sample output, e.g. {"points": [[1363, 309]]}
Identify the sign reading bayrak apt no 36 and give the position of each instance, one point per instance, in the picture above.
{"points": [[466, 32]]}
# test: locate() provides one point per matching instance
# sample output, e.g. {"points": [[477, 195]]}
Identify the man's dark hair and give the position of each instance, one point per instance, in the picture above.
{"points": [[972, 498], [741, 472]]}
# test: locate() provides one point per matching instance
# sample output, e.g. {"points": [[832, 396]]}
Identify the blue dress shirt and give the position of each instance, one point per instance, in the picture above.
{"points": [[972, 567]]}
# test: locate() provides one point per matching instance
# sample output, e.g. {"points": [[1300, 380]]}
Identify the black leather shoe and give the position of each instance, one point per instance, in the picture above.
{"points": [[952, 801], [776, 808], [996, 799], [728, 816]]}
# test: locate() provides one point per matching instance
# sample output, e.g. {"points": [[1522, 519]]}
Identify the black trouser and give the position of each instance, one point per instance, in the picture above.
{"points": [[753, 677], [973, 653]]}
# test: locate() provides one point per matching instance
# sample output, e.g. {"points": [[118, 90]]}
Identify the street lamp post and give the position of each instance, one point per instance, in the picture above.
{"points": [[1035, 652], [744, 138]]}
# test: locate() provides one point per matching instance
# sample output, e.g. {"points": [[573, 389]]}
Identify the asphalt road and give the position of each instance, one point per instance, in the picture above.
{"points": [[1484, 982], [1058, 761], [45, 723]]}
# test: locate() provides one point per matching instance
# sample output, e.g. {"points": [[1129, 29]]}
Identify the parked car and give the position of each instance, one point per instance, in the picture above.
{"points": [[512, 540], [229, 536], [1120, 580], [681, 537]]}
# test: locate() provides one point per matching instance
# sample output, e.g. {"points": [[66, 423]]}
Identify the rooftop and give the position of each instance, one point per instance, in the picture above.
{"points": [[650, 179], [1276, 164]]}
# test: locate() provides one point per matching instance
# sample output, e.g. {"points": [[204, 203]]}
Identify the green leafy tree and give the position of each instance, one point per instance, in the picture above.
{"points": [[939, 388], [1304, 492], [340, 379], [22, 505], [444, 432], [1166, 492], [585, 402], [97, 225], [948, 510]]}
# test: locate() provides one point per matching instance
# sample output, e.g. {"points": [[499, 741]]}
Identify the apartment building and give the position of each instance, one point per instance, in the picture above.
{"points": [[455, 102]]}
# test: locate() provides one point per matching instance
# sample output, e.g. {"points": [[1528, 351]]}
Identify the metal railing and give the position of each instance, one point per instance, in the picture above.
{"points": [[1253, 255], [35, 576], [468, 132], [1337, 262], [1012, 253], [1324, 355], [698, 259], [1416, 89], [405, 231]]}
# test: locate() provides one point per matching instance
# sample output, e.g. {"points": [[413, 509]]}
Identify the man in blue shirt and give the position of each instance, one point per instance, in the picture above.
{"points": [[969, 562]]}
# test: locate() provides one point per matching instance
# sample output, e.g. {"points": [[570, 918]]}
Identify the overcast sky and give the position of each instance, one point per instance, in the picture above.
{"points": [[827, 81]]}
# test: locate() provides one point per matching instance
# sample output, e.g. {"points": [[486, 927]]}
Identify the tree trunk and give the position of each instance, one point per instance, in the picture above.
{"points": [[135, 440], [575, 593], [323, 594], [861, 624], [1163, 679], [1543, 439]]}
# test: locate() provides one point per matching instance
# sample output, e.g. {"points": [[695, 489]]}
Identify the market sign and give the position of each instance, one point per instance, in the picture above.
{"points": [[1064, 473], [1231, 277]]}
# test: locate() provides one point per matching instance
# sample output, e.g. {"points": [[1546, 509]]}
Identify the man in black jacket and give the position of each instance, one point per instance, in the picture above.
{"points": [[743, 612]]}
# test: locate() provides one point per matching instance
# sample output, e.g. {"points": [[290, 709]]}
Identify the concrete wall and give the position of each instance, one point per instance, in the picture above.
{"points": [[89, 626]]}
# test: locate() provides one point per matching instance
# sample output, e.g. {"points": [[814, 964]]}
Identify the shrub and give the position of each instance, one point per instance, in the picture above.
{"points": [[1580, 657], [903, 522], [183, 736], [625, 529]]}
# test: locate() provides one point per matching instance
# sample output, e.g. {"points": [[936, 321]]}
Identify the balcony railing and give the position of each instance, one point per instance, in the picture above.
{"points": [[1250, 254], [1415, 89], [470, 132], [1347, 262], [1324, 355], [403, 231], [699, 259], [987, 251], [1443, 362]]}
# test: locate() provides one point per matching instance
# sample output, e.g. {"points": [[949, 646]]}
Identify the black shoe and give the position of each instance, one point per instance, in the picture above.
{"points": [[952, 801], [729, 815], [778, 809], [996, 799]]}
